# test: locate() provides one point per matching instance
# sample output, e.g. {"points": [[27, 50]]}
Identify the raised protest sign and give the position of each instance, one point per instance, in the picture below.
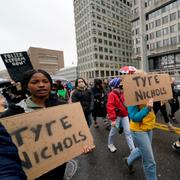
{"points": [[138, 88], [16, 63], [49, 137]]}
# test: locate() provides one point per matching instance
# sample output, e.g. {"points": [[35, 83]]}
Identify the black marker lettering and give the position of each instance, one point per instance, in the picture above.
{"points": [[57, 147], [44, 154], [65, 124], [37, 131], [67, 142], [48, 126], [18, 135], [136, 79], [27, 162], [83, 136]]}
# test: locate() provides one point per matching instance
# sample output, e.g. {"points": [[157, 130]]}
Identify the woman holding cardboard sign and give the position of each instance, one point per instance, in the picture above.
{"points": [[38, 83]]}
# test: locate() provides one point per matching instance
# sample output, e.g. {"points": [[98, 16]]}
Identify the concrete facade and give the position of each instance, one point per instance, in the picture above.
{"points": [[46, 59], [103, 37], [69, 73], [156, 34]]}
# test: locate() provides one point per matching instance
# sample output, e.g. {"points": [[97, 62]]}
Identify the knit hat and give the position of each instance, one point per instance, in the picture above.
{"points": [[115, 83]]}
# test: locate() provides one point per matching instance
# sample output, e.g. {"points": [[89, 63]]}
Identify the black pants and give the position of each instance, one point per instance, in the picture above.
{"points": [[157, 106], [174, 106]]}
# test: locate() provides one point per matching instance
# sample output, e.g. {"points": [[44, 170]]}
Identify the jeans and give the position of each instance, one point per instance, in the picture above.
{"points": [[88, 119], [125, 124], [143, 141]]}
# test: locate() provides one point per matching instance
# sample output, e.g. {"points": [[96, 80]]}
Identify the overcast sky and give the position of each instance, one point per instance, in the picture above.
{"points": [[38, 23]]}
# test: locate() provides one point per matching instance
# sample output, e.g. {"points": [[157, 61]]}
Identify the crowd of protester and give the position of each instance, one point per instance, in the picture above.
{"points": [[103, 98]]}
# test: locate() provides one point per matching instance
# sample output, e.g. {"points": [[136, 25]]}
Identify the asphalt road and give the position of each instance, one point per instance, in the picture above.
{"points": [[104, 165]]}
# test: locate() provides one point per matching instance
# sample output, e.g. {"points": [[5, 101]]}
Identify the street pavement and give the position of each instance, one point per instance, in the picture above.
{"points": [[101, 164]]}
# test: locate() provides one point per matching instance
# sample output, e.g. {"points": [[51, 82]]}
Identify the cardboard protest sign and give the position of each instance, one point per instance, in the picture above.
{"points": [[49, 137], [138, 88], [16, 63]]}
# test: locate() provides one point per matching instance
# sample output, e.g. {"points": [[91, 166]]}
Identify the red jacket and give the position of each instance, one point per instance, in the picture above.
{"points": [[115, 105]]}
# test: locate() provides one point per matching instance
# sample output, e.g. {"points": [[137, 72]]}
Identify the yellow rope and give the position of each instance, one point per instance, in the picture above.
{"points": [[165, 128]]}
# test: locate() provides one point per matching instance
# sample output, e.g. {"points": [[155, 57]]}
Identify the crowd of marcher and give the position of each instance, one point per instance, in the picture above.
{"points": [[103, 98]]}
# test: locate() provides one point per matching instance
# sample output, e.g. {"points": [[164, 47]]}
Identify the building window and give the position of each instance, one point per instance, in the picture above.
{"points": [[112, 73], [100, 49], [165, 20], [151, 35], [165, 31], [158, 33], [104, 34], [101, 64], [100, 56], [158, 22], [106, 57], [107, 65], [95, 56], [159, 44], [94, 39], [173, 28], [102, 73], [152, 46], [105, 49], [165, 42], [107, 73], [151, 25], [173, 40], [100, 41], [173, 16], [96, 73], [99, 33]]}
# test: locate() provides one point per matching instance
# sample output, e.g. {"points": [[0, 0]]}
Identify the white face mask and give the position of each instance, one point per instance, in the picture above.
{"points": [[53, 92]]}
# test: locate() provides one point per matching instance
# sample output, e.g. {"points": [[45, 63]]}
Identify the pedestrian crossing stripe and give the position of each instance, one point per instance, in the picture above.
{"points": [[165, 128]]}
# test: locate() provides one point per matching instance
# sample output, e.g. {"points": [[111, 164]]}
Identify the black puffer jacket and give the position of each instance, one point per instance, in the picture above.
{"points": [[85, 98], [10, 163], [99, 109]]}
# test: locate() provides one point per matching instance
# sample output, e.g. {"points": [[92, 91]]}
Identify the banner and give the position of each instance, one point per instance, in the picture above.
{"points": [[138, 88], [49, 137], [17, 63]]}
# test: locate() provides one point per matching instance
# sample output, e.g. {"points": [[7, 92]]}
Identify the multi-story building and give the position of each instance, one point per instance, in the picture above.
{"points": [[156, 34], [68, 73], [46, 59], [103, 36]]}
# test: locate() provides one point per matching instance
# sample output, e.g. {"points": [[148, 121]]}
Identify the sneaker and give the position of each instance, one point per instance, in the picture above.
{"points": [[173, 119], [112, 148], [71, 169], [175, 147], [130, 167]]}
